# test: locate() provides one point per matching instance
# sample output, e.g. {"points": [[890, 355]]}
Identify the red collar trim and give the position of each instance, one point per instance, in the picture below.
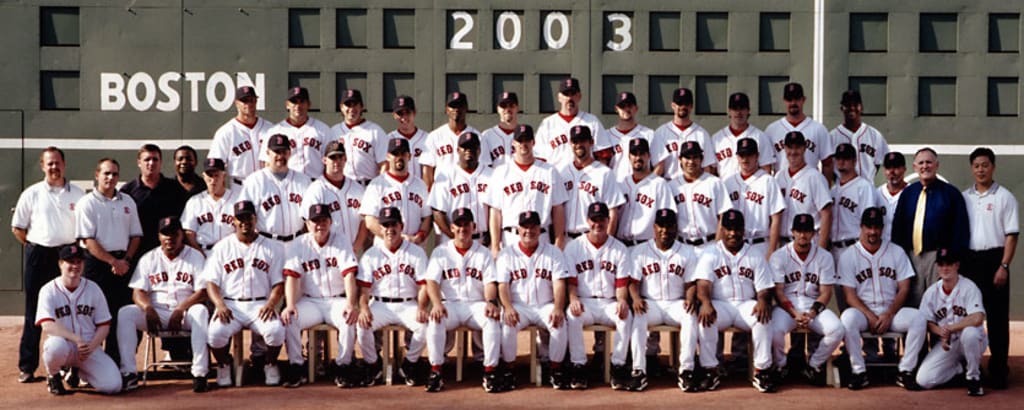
{"points": [[736, 132], [399, 178], [527, 252], [566, 118]]}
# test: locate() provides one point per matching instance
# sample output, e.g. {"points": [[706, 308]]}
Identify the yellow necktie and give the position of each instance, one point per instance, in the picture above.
{"points": [[919, 222]]}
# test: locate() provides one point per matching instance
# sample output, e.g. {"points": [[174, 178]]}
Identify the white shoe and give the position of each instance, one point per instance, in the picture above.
{"points": [[224, 375], [272, 376]]}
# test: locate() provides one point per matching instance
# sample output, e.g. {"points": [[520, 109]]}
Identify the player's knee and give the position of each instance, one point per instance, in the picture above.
{"points": [[199, 314], [107, 385], [926, 380], [56, 348], [218, 337], [275, 335]]}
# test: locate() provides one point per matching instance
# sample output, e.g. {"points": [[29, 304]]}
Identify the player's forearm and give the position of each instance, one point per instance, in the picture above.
{"points": [[373, 225], [634, 290], [133, 248], [198, 296], [434, 292], [491, 293], [190, 240], [784, 302], [364, 299], [428, 176], [825, 294], [559, 290], [690, 292], [495, 224], [824, 233], [765, 296], [359, 245], [613, 221], [934, 328], [291, 291], [704, 291], [854, 301], [659, 169], [622, 294], [828, 170], [20, 234], [441, 222], [901, 297], [506, 296], [558, 221], [276, 293], [351, 290], [574, 295], [774, 232], [973, 319], [424, 227], [213, 292], [99, 336], [55, 329], [141, 299]]}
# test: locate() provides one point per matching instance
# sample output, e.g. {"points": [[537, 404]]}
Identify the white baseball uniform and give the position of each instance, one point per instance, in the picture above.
{"points": [[553, 136], [408, 194], [210, 219], [849, 201], [455, 188], [81, 311], [598, 272], [239, 146], [889, 200], [819, 142], [47, 213], [643, 199], [366, 146], [278, 201], [671, 137], [308, 144], [724, 143], [245, 274], [441, 148], [344, 203], [321, 271], [169, 283], [530, 279], [876, 279], [806, 192], [513, 190], [417, 147], [462, 275], [735, 281], [946, 309], [699, 203], [496, 144], [663, 276], [620, 164], [393, 279], [801, 280], [870, 144], [593, 183], [758, 197], [118, 217]]}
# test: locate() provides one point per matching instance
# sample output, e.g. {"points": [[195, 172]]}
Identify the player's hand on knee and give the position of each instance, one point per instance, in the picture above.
{"points": [[267, 312], [492, 311], [288, 314], [511, 317], [576, 308], [84, 350], [223, 314], [691, 307], [762, 312], [174, 323], [884, 322], [152, 319], [639, 307], [707, 315], [365, 318], [351, 315], [438, 313], [556, 317], [622, 309]]}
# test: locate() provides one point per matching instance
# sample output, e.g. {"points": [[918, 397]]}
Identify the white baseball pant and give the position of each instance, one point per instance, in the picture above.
{"points": [[312, 312], [99, 370], [472, 315], [907, 320], [535, 316], [601, 312], [131, 318], [826, 324], [665, 312], [940, 365], [246, 315], [741, 316], [390, 314]]}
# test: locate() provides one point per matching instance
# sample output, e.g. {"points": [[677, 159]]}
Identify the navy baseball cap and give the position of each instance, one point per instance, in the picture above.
{"points": [[793, 91], [946, 256], [457, 99], [279, 142], [665, 217], [523, 132], [213, 164], [894, 159], [469, 140], [732, 219], [794, 138], [529, 218], [682, 96], [739, 101], [625, 98], [639, 146], [746, 146], [403, 102], [597, 210], [168, 225], [334, 148], [803, 223], [245, 91], [580, 133], [850, 97], [462, 215], [569, 85], [873, 217], [296, 94], [691, 149], [398, 146], [243, 208], [351, 96], [845, 151], [70, 252], [508, 97], [389, 215], [319, 211]]}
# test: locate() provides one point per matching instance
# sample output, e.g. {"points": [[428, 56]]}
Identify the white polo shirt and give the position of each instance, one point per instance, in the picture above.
{"points": [[112, 222], [48, 213], [992, 214]]}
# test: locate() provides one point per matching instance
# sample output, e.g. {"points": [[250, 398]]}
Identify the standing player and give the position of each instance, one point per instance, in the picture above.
{"points": [[805, 189], [496, 142], [875, 276], [169, 294], [587, 182], [307, 135], [532, 284], [278, 190], [870, 145], [671, 135], [699, 196], [741, 287], [441, 142], [43, 221], [363, 138], [819, 142], [553, 132], [73, 313], [895, 166], [343, 197], [396, 188], [391, 274], [461, 187], [624, 131], [462, 273], [851, 195], [954, 311], [208, 215], [725, 141], [238, 141], [804, 275], [645, 193], [403, 110], [756, 194], [320, 287], [245, 286]]}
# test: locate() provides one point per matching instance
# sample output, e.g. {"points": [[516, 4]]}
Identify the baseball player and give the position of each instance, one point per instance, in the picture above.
{"points": [[461, 272], [805, 189], [403, 110], [73, 313], [363, 139], [671, 135], [391, 274], [245, 285], [343, 196], [320, 287], [461, 187], [496, 142], [398, 189], [278, 190], [525, 184], [237, 143], [169, 293], [441, 142], [869, 143], [875, 276], [661, 270], [553, 132], [725, 141], [208, 216], [307, 136], [741, 284], [532, 284], [43, 221], [894, 166], [645, 193], [756, 194], [804, 275], [851, 194], [954, 311], [624, 131], [819, 142], [588, 181], [700, 197], [598, 281]]}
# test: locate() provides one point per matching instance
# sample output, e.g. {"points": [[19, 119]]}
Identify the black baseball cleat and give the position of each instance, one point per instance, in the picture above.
{"points": [[762, 381], [345, 376], [435, 383], [25, 377], [906, 380], [408, 372], [974, 388], [507, 378], [293, 376], [815, 375], [71, 377], [578, 377], [491, 383], [686, 380], [620, 377], [372, 373], [711, 379], [858, 381], [129, 381], [638, 380], [559, 380], [55, 386], [200, 385]]}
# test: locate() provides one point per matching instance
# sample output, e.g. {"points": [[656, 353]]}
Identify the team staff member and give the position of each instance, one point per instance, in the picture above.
{"points": [[308, 136], [819, 142], [343, 197], [208, 217], [992, 211], [278, 190], [441, 142], [553, 132], [403, 110], [725, 142], [238, 141], [185, 161], [894, 166], [669, 137], [870, 144], [461, 187], [645, 193], [74, 315], [396, 188], [43, 221], [496, 142], [586, 182], [107, 222], [363, 138], [155, 195]]}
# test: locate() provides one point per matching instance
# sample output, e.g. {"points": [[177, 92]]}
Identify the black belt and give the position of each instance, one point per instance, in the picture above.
{"points": [[698, 241], [575, 235], [38, 246], [245, 299], [238, 181], [391, 300], [282, 238], [756, 241], [513, 230], [206, 247], [325, 297], [843, 244], [630, 242], [477, 236], [118, 254]]}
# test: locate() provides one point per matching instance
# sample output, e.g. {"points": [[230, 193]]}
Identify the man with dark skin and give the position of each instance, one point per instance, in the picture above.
{"points": [[185, 169]]}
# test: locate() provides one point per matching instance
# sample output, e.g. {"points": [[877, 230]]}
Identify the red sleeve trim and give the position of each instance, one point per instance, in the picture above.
{"points": [[633, 280], [572, 281], [421, 282], [622, 282], [364, 284], [44, 320], [107, 323], [291, 273], [350, 271]]}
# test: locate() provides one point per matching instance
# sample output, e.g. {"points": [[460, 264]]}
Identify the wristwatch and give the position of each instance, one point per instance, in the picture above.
{"points": [[1005, 266]]}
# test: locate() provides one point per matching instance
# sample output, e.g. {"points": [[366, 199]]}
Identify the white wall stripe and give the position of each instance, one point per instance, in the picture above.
{"points": [[94, 144]]}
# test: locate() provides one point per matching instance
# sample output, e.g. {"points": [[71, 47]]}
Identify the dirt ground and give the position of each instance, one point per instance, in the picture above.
{"points": [[735, 392]]}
